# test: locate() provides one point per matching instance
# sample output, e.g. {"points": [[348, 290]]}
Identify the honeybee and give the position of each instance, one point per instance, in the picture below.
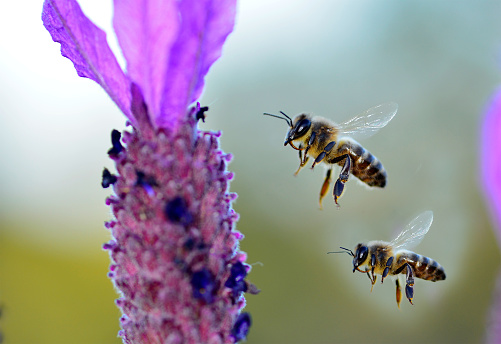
{"points": [[323, 140], [392, 258]]}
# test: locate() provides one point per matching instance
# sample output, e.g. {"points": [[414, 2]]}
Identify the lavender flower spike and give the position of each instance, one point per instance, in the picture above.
{"points": [[176, 262], [490, 152]]}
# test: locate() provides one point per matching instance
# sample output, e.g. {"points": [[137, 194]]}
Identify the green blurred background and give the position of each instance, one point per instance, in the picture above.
{"points": [[439, 60]]}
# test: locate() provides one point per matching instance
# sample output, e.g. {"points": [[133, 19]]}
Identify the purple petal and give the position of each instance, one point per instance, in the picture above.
{"points": [[86, 46], [204, 28], [169, 47], [146, 31], [219, 25], [490, 159]]}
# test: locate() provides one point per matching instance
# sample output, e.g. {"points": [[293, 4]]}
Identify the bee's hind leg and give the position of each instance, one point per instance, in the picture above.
{"points": [[325, 186], [409, 284], [398, 292], [373, 266], [343, 176]]}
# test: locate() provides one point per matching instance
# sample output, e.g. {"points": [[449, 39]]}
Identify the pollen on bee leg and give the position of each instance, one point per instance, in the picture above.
{"points": [[398, 292], [325, 186]]}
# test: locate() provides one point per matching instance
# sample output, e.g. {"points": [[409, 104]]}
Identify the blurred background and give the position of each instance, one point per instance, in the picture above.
{"points": [[440, 61]]}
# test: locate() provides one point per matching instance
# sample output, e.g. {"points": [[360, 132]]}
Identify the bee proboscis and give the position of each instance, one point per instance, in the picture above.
{"points": [[323, 140], [393, 258]]}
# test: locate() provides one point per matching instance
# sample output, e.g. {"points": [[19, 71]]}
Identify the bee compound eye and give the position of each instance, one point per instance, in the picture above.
{"points": [[303, 127], [362, 253]]}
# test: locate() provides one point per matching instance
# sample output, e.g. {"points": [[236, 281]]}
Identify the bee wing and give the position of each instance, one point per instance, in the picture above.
{"points": [[369, 122], [414, 232]]}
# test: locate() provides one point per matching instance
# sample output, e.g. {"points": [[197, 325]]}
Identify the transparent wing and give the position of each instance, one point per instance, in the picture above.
{"points": [[414, 232], [369, 122]]}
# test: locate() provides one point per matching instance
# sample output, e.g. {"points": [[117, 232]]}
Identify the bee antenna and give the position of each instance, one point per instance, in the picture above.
{"points": [[350, 252], [287, 118], [283, 113]]}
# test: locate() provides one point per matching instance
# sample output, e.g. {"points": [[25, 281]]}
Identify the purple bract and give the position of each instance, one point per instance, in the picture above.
{"points": [[490, 162], [490, 153], [174, 248]]}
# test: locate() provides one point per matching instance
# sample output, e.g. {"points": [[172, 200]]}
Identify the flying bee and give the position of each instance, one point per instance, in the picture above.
{"points": [[392, 258], [323, 140]]}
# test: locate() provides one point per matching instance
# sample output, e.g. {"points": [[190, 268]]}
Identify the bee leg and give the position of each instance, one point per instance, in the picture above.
{"points": [[311, 140], [318, 159], [372, 279], [373, 265], [386, 269], [343, 178], [409, 284], [322, 155], [301, 161], [325, 186], [399, 292]]}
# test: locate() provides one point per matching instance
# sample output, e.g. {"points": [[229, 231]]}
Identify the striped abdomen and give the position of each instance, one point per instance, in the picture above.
{"points": [[423, 267], [365, 166]]}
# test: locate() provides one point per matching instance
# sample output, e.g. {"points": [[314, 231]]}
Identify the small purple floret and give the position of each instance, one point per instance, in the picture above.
{"points": [[237, 287], [146, 182], [241, 327], [116, 144], [108, 246], [108, 179], [238, 271], [236, 280], [177, 211], [203, 285], [200, 115]]}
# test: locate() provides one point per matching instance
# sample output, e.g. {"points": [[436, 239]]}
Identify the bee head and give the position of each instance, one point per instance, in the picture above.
{"points": [[300, 127], [360, 256]]}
